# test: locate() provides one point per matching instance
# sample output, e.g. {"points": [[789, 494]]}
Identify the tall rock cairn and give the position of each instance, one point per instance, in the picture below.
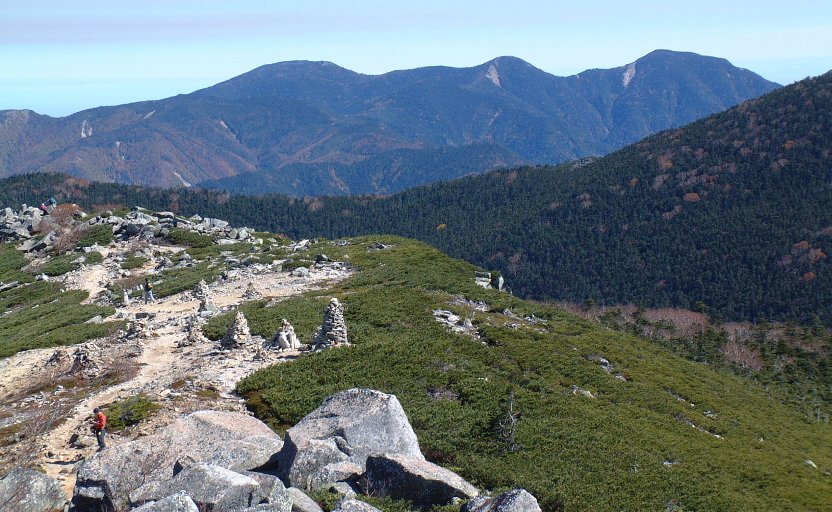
{"points": [[333, 331], [206, 299], [238, 334], [202, 292], [194, 336]]}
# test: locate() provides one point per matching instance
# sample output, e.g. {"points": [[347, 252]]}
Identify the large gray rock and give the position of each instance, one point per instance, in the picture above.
{"points": [[211, 488], [414, 479], [273, 489], [301, 502], [230, 440], [354, 505], [515, 500], [267, 507], [25, 490], [176, 503], [347, 427]]}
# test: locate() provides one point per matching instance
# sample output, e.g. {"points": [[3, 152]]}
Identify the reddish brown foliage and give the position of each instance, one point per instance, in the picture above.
{"points": [[664, 161]]}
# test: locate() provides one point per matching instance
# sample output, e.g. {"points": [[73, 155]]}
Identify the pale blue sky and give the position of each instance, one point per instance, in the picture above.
{"points": [[59, 57]]}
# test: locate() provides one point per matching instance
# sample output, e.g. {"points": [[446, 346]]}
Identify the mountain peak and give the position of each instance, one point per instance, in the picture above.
{"points": [[306, 118]]}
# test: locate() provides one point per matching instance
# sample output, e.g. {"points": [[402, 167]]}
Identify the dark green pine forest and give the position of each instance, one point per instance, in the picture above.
{"points": [[730, 215]]}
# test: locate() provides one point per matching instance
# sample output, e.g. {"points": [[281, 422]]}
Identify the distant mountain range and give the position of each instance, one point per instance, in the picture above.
{"points": [[313, 128], [728, 215]]}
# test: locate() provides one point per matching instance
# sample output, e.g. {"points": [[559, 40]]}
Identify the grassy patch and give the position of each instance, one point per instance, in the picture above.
{"points": [[632, 447], [60, 265], [132, 261], [328, 501], [129, 412], [93, 258], [238, 249], [100, 235], [42, 315], [189, 238], [304, 313], [175, 280], [11, 263]]}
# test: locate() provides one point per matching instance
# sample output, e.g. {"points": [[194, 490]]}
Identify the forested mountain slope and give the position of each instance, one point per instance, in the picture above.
{"points": [[313, 128]]}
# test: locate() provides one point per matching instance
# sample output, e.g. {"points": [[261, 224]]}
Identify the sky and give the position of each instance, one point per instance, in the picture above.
{"points": [[61, 57]]}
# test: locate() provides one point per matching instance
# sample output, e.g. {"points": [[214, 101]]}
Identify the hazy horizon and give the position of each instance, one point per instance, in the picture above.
{"points": [[63, 58]]}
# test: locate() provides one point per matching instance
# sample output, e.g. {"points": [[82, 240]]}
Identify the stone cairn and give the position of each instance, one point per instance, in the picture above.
{"points": [[136, 330], [238, 334], [202, 292], [285, 338], [206, 299], [194, 335], [333, 331], [251, 292], [87, 361]]}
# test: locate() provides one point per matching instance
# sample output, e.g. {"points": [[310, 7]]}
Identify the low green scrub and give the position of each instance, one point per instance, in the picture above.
{"points": [[304, 313], [132, 261], [506, 409], [41, 315], [93, 258], [60, 265], [11, 263], [239, 249], [329, 502], [100, 235], [130, 411], [175, 280], [188, 238]]}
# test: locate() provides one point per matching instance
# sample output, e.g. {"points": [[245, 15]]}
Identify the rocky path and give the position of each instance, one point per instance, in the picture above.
{"points": [[163, 364]]}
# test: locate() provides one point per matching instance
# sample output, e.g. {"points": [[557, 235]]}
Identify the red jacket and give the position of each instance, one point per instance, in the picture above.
{"points": [[100, 421]]}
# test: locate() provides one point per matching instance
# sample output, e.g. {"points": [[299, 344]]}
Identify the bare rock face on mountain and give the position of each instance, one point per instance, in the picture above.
{"points": [[238, 334], [229, 440], [515, 500], [333, 331], [415, 479], [342, 432], [26, 490]]}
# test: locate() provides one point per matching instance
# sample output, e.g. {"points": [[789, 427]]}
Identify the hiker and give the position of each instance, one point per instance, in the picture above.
{"points": [[148, 291], [100, 427]]}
